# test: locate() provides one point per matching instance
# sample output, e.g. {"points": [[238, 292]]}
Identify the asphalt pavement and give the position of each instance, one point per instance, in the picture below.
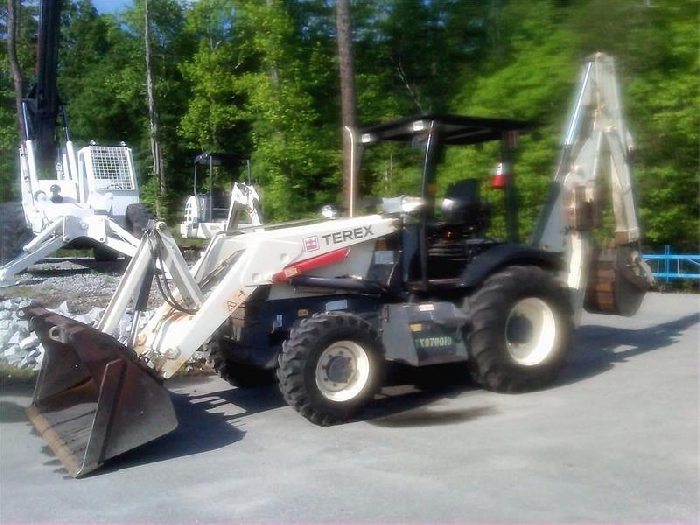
{"points": [[614, 440]]}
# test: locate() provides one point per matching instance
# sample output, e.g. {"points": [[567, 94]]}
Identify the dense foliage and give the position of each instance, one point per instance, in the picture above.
{"points": [[260, 79]]}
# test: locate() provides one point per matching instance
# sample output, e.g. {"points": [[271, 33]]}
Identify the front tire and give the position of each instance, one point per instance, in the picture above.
{"points": [[330, 367], [241, 375], [520, 330]]}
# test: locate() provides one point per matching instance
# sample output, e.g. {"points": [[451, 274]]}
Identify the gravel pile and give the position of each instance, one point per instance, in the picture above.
{"points": [[71, 290], [21, 349]]}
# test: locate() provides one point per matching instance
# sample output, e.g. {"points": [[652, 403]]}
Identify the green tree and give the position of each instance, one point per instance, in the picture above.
{"points": [[295, 155], [92, 64], [664, 105], [214, 119], [530, 76], [170, 46], [9, 135]]}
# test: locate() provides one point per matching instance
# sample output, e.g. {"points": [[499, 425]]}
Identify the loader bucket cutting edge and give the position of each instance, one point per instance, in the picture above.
{"points": [[93, 400]]}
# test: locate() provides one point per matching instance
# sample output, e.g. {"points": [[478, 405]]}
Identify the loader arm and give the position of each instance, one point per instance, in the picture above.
{"points": [[229, 271], [596, 148]]}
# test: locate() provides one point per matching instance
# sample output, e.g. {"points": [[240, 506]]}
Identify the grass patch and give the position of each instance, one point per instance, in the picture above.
{"points": [[72, 252], [11, 375]]}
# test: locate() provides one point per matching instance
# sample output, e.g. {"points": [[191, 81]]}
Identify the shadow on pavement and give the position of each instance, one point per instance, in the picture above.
{"points": [[207, 421], [596, 347], [201, 428], [411, 399], [12, 412]]}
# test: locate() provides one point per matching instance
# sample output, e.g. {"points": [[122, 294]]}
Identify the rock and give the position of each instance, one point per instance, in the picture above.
{"points": [[85, 319], [28, 343], [96, 313], [22, 327], [65, 309], [13, 355]]}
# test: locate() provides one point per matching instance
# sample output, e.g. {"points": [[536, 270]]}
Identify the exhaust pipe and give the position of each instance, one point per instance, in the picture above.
{"points": [[93, 398]]}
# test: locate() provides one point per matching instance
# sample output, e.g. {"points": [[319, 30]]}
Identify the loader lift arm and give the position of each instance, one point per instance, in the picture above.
{"points": [[596, 145]]}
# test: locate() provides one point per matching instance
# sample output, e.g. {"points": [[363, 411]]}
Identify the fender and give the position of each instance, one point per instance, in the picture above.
{"points": [[489, 262]]}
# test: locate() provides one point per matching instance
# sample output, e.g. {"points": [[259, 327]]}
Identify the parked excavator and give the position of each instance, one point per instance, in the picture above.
{"points": [[88, 198], [213, 212], [325, 304]]}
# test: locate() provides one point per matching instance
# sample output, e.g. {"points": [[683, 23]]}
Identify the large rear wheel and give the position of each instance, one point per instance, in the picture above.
{"points": [[330, 367], [520, 329]]}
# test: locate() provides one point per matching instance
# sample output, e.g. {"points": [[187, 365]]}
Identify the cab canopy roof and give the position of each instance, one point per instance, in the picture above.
{"points": [[452, 129], [219, 159]]}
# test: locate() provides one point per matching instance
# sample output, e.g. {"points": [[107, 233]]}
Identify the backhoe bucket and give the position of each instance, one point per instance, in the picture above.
{"points": [[619, 278], [93, 399]]}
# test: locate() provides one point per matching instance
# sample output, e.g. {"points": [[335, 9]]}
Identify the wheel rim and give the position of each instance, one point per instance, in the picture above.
{"points": [[342, 371], [530, 331]]}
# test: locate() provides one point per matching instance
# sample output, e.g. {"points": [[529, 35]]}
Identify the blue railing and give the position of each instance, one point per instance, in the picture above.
{"points": [[669, 265]]}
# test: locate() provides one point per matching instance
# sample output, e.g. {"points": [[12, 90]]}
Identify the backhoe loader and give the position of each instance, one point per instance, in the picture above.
{"points": [[325, 304], [207, 214]]}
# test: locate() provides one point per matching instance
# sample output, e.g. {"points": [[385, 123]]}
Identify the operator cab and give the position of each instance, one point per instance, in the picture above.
{"points": [[222, 169], [445, 219]]}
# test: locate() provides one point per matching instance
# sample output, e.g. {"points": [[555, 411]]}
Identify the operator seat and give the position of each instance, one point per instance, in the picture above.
{"points": [[462, 206]]}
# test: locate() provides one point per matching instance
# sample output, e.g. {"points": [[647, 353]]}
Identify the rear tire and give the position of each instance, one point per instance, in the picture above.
{"points": [[237, 374], [102, 253], [330, 367], [14, 233], [520, 330]]}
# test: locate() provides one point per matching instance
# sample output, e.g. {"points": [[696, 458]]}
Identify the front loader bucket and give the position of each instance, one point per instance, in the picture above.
{"points": [[93, 399]]}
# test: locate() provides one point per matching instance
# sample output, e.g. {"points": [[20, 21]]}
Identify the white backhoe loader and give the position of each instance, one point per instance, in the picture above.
{"points": [[215, 212], [324, 305]]}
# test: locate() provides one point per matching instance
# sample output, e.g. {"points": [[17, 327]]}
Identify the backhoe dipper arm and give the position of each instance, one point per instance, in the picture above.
{"points": [[244, 198], [595, 143]]}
